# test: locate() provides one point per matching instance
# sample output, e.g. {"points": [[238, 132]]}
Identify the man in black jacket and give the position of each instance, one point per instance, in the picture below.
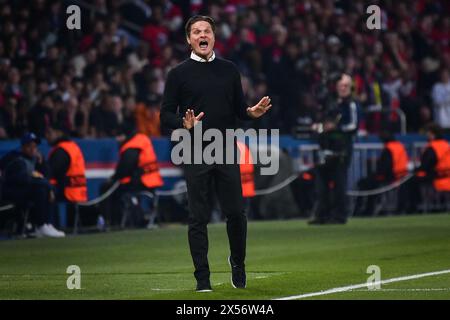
{"points": [[25, 185], [336, 148], [208, 88]]}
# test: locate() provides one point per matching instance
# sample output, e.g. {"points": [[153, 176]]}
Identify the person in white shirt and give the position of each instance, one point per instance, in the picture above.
{"points": [[440, 95]]}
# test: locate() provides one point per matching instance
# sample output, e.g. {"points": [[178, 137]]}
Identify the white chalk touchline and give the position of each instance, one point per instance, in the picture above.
{"points": [[362, 285], [168, 289], [401, 290]]}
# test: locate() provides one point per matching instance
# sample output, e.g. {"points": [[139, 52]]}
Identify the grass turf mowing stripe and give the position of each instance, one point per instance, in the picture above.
{"points": [[362, 285], [128, 264], [404, 290]]}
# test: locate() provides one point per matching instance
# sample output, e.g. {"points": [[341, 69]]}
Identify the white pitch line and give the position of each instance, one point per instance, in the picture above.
{"points": [[168, 289], [362, 285], [402, 290]]}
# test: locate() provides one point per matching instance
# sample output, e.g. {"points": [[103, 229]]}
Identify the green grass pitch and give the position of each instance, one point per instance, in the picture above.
{"points": [[284, 258]]}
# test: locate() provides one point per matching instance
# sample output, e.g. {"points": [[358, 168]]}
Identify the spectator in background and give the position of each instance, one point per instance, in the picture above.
{"points": [[84, 115], [147, 117], [137, 11], [26, 186], [128, 113], [72, 117], [441, 100], [139, 58], [156, 32], [425, 118], [14, 87], [41, 116], [97, 85], [104, 119], [3, 127], [128, 83], [298, 43]]}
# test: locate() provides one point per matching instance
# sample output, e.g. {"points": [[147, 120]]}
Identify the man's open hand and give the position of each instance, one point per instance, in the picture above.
{"points": [[260, 108], [190, 120]]}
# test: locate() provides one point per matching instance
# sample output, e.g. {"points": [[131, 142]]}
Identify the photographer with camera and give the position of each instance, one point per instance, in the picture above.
{"points": [[335, 137]]}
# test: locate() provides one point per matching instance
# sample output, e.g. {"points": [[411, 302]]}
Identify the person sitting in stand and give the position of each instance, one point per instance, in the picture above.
{"points": [[25, 185], [67, 167], [434, 166], [136, 170], [392, 165]]}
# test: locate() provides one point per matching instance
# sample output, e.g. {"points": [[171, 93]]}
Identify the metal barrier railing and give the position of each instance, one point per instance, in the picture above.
{"points": [[364, 158], [401, 115]]}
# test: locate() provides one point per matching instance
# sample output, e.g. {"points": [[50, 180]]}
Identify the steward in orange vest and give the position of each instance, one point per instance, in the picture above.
{"points": [[137, 170], [138, 163], [392, 165], [393, 162], [67, 167], [246, 167], [435, 160]]}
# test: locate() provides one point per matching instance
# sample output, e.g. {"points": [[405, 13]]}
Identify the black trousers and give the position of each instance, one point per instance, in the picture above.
{"points": [[367, 183], [227, 181], [34, 196], [331, 191]]}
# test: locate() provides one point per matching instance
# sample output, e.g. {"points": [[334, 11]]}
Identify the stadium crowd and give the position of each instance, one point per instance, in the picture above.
{"points": [[111, 74]]}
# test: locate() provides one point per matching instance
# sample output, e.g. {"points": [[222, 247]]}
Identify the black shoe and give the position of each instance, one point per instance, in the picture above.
{"points": [[238, 277], [203, 286]]}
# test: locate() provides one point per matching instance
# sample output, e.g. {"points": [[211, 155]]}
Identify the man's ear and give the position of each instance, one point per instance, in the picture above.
{"points": [[188, 40]]}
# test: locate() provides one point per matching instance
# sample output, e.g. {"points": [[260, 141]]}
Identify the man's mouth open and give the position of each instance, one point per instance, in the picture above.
{"points": [[203, 44]]}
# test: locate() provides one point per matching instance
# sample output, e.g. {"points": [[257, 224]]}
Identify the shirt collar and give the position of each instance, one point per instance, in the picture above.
{"points": [[200, 59]]}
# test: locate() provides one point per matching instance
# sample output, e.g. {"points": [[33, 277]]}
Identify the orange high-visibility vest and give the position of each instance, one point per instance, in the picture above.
{"points": [[442, 149], [148, 163], [247, 170], [400, 158], [75, 189]]}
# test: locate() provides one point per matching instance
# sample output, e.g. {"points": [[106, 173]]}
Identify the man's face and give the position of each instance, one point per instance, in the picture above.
{"points": [[30, 149], [201, 38], [344, 87]]}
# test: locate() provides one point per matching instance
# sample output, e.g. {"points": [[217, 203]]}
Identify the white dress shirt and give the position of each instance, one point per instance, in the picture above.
{"points": [[200, 59]]}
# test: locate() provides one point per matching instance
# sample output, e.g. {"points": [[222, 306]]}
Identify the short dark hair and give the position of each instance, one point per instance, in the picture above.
{"points": [[197, 18]]}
